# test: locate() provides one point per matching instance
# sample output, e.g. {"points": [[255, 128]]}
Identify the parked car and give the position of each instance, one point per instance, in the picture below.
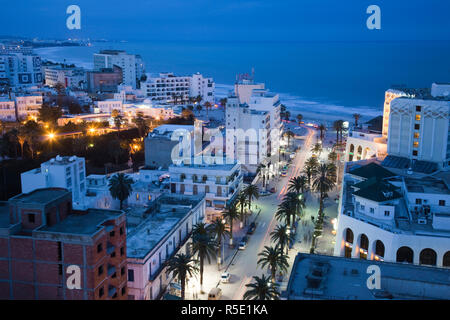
{"points": [[243, 243], [251, 228], [283, 173], [225, 277]]}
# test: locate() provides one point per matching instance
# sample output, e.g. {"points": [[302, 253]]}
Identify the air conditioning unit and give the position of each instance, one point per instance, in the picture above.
{"points": [[422, 221]]}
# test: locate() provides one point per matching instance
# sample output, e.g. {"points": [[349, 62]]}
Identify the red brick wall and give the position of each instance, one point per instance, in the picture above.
{"points": [[4, 291], [37, 218], [22, 248], [46, 250], [3, 248]]}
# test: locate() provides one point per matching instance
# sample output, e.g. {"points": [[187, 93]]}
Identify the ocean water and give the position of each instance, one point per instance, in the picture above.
{"points": [[321, 80]]}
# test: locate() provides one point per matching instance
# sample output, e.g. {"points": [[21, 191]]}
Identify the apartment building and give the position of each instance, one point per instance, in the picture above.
{"points": [[154, 239], [69, 77], [21, 70], [105, 79], [132, 65], [58, 172], [20, 107], [42, 242], [201, 86]]}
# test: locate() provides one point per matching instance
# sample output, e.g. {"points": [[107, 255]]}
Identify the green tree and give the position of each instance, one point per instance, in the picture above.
{"points": [[317, 148], [205, 249], [242, 202], [141, 124], [261, 289], [181, 266], [299, 118], [322, 129], [275, 259], [356, 116], [298, 184], [289, 134], [323, 183], [251, 191], [219, 230], [120, 187], [332, 156], [50, 115], [231, 213], [282, 237]]}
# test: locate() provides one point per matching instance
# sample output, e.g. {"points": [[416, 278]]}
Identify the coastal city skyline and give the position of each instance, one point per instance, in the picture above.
{"points": [[259, 153]]}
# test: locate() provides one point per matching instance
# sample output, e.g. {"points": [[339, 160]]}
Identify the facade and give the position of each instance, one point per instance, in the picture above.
{"points": [[59, 172], [204, 87], [69, 77], [218, 183], [28, 105], [244, 89], [132, 65], [363, 145], [7, 110], [394, 217], [248, 138], [21, 70], [419, 129], [167, 88], [107, 106], [321, 277], [151, 241], [104, 80], [42, 239]]}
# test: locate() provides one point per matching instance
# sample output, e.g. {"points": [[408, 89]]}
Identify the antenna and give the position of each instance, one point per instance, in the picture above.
{"points": [[253, 73]]}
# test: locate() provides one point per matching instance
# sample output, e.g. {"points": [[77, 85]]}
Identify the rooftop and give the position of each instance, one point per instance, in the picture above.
{"points": [[167, 213], [83, 223], [41, 196], [378, 191], [329, 277], [371, 170]]}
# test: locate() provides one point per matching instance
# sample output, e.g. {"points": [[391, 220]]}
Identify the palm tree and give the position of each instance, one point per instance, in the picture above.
{"points": [[324, 182], [322, 129], [299, 118], [200, 229], [120, 187], [219, 230], [290, 208], [204, 247], [231, 213], [260, 170], [289, 134], [140, 123], [223, 103], [282, 237], [338, 126], [275, 259], [332, 156], [242, 201], [310, 169], [262, 289], [208, 105], [356, 116], [317, 148], [118, 118], [181, 266], [21, 138], [298, 184], [251, 191]]}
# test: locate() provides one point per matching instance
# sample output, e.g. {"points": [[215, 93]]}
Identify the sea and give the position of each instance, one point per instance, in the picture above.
{"points": [[324, 81]]}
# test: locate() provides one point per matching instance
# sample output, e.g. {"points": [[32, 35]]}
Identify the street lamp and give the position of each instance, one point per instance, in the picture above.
{"points": [[51, 136]]}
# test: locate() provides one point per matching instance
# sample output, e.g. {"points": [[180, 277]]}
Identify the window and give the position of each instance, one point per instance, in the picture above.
{"points": [[31, 218], [372, 210], [112, 233], [416, 144], [122, 271], [101, 292], [416, 135], [418, 201], [113, 254], [417, 126], [137, 196], [121, 230], [122, 251], [417, 117], [363, 207], [60, 269], [387, 213], [99, 247], [124, 290], [442, 203], [131, 275], [418, 108], [100, 270], [415, 153]]}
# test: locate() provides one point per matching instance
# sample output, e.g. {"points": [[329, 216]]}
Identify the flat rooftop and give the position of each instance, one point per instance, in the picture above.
{"points": [[426, 185], [83, 224], [168, 212], [41, 196], [330, 278]]}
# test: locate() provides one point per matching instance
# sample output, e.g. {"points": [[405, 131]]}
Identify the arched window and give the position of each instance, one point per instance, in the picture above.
{"points": [[446, 260], [405, 254], [349, 235], [359, 150], [379, 248], [182, 176], [363, 246], [428, 257], [194, 178], [352, 148]]}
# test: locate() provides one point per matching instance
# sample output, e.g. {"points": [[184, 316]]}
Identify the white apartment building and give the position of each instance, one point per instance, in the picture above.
{"points": [[393, 217], [243, 89], [204, 87], [69, 77], [419, 127], [167, 87], [248, 137], [21, 70], [156, 238], [107, 106], [132, 65], [362, 145], [148, 109], [27, 106], [59, 172]]}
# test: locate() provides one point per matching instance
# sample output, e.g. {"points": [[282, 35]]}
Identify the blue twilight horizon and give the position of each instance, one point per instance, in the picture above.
{"points": [[229, 20]]}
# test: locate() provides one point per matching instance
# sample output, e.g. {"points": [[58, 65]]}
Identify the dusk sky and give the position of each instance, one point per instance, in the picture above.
{"points": [[229, 20]]}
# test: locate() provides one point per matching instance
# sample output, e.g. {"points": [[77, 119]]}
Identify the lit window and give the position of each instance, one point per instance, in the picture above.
{"points": [[416, 135], [417, 117], [416, 144], [137, 196]]}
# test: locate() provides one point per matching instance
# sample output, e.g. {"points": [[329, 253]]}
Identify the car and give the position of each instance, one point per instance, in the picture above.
{"points": [[283, 173], [225, 277], [272, 190], [243, 243], [215, 294], [251, 228]]}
